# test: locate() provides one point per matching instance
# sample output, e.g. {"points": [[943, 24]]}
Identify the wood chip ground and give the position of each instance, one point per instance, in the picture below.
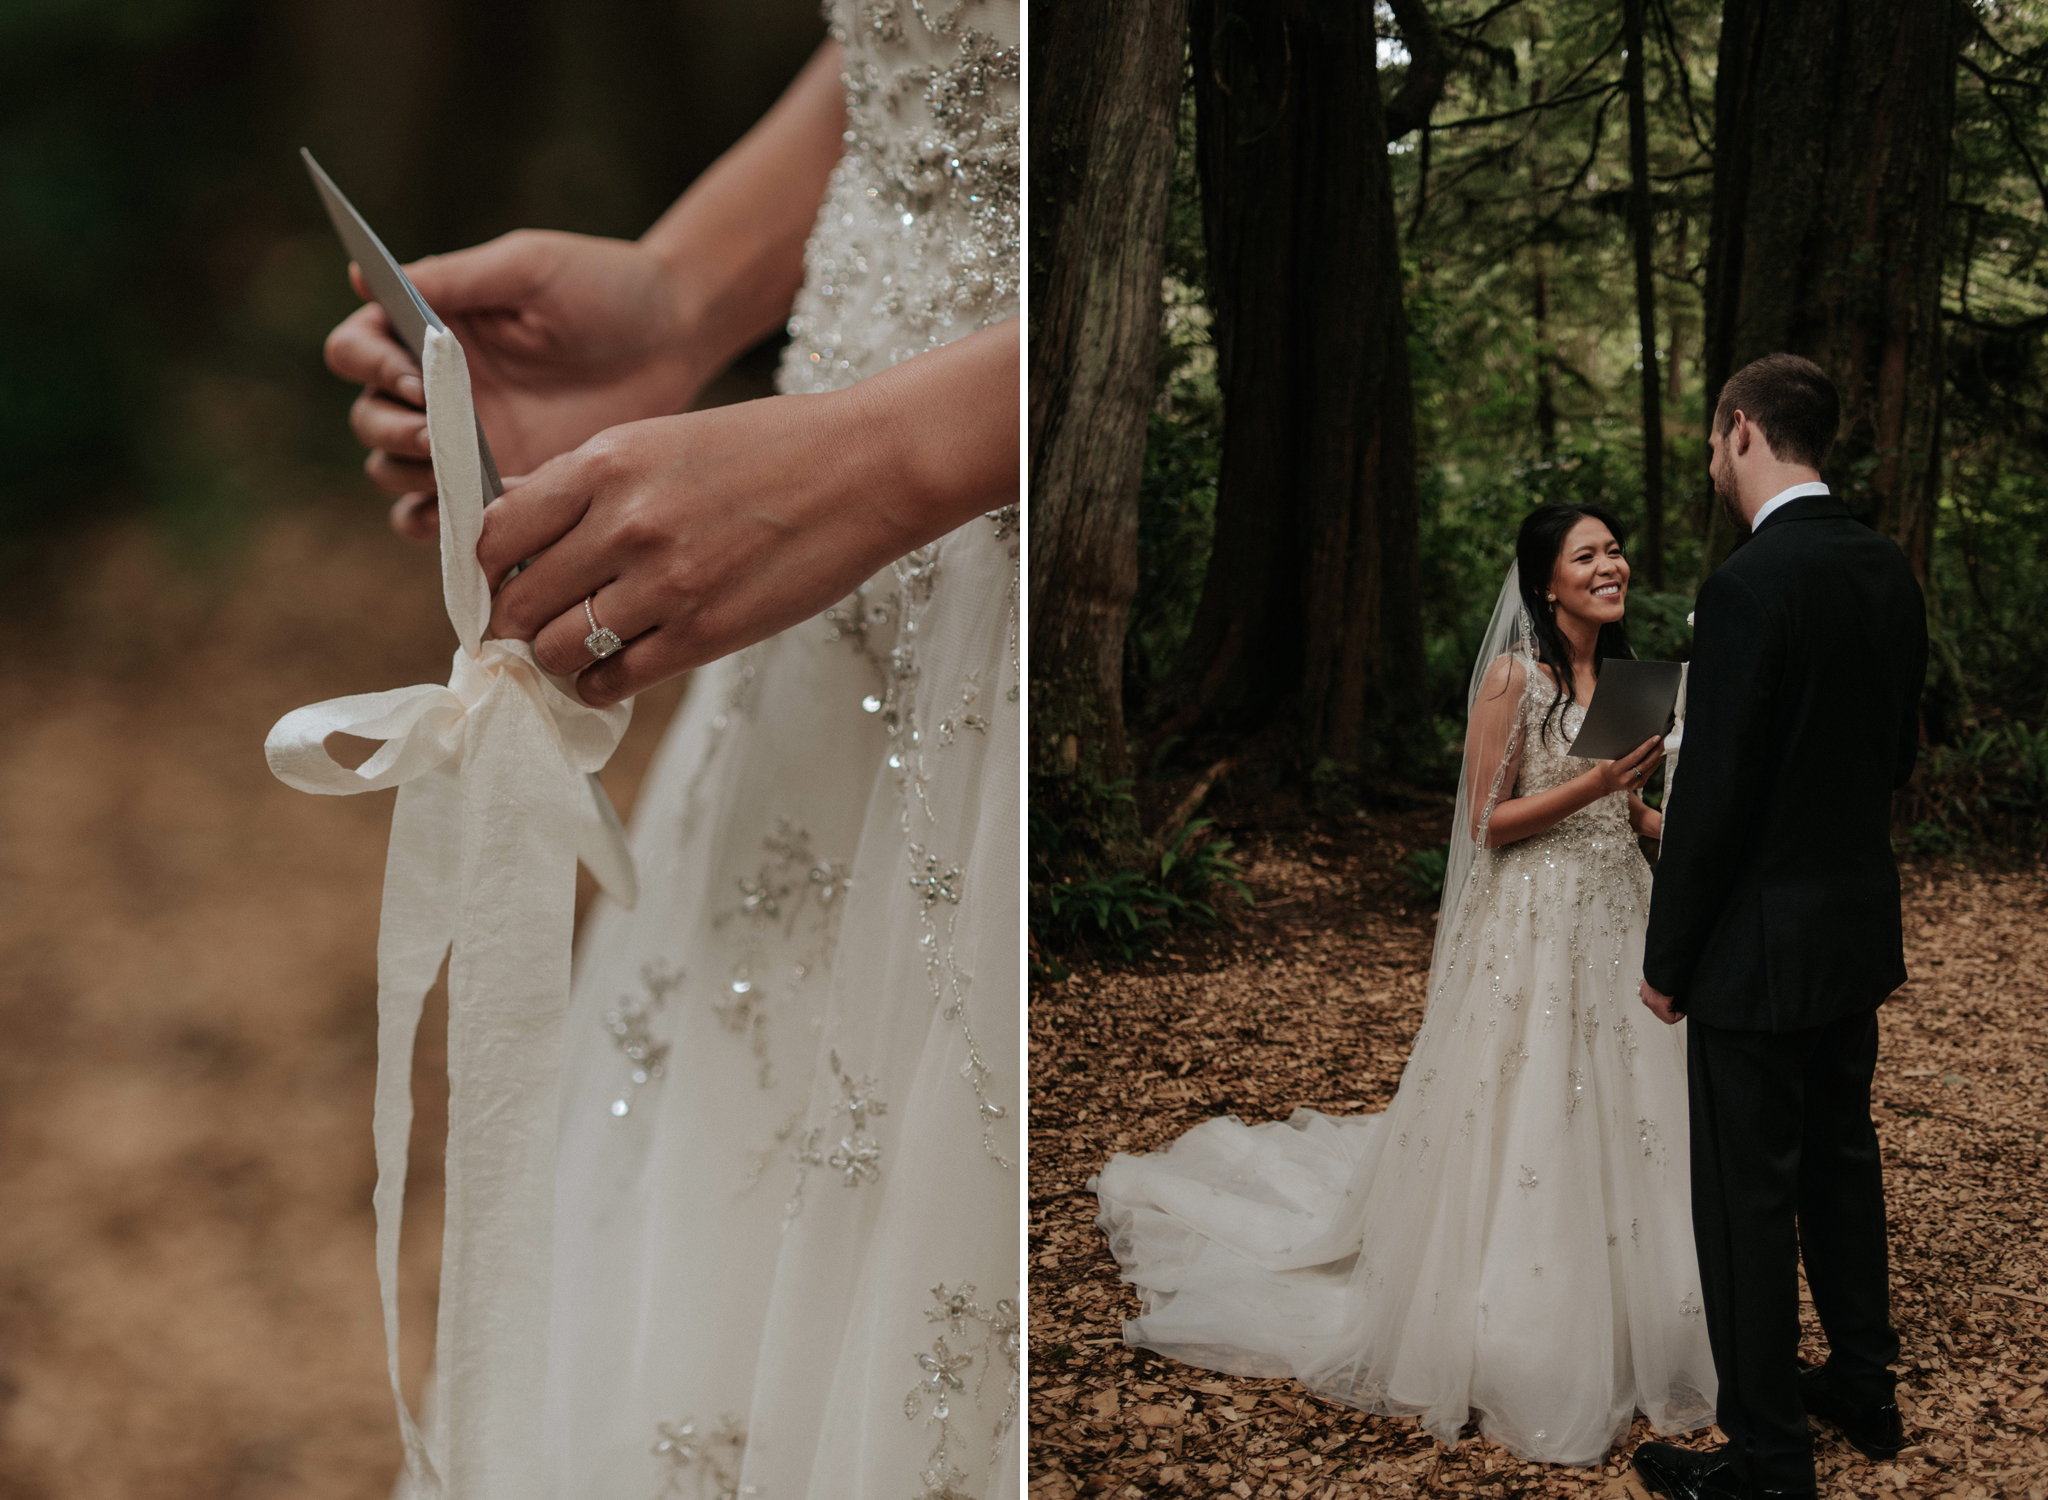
{"points": [[1312, 999]]}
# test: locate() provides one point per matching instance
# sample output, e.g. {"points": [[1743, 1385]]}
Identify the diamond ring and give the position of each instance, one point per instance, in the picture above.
{"points": [[601, 642]]}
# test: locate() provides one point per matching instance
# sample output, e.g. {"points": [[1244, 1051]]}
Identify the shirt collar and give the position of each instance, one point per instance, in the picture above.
{"points": [[1786, 497]]}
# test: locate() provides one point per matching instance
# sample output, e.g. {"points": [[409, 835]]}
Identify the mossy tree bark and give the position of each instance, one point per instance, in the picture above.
{"points": [[1832, 121], [1311, 602], [1105, 95]]}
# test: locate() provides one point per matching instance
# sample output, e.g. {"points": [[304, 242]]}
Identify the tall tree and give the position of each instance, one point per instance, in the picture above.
{"points": [[1311, 601], [1832, 130], [1105, 90], [1642, 230]]}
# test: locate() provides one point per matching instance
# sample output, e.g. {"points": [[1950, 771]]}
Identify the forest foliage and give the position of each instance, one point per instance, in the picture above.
{"points": [[1526, 360], [1519, 291], [170, 274]]}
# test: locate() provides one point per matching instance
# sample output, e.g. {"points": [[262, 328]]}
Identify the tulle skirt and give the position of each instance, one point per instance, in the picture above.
{"points": [[1511, 1240], [790, 1127]]}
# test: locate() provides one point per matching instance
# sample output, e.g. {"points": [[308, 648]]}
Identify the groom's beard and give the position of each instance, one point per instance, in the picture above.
{"points": [[1727, 499], [1734, 511]]}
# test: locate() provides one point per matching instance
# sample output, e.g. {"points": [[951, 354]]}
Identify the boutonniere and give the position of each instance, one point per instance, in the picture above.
{"points": [[1688, 618]]}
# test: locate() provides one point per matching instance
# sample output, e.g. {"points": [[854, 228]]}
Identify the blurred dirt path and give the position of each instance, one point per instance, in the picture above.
{"points": [[1315, 999], [188, 1303]]}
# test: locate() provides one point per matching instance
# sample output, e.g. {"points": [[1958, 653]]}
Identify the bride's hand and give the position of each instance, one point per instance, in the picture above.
{"points": [[693, 536], [564, 334], [1631, 772]]}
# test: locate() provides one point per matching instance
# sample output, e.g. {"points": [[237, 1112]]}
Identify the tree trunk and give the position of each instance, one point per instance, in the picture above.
{"points": [[1539, 254], [1546, 360], [1642, 229], [1311, 601], [1105, 96], [1832, 124]]}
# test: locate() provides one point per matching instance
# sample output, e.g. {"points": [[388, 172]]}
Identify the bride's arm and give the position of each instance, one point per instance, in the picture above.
{"points": [[1517, 818], [735, 240], [703, 533], [1525, 817], [568, 334]]}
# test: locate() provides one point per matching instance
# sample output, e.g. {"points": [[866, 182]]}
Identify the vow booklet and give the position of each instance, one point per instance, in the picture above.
{"points": [[401, 300], [1634, 702]]}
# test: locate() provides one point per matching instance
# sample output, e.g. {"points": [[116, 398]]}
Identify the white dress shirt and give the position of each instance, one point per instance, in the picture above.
{"points": [[1786, 497]]}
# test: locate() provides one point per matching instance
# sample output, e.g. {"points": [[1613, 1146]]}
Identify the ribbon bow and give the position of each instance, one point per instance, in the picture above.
{"points": [[497, 799]]}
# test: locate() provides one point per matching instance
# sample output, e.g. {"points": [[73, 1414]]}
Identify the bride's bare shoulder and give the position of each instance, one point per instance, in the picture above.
{"points": [[1505, 677]]}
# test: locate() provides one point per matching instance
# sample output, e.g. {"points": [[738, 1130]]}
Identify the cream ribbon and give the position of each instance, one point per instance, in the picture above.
{"points": [[497, 799]]}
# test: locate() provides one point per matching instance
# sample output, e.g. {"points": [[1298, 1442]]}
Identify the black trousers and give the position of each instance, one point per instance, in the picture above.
{"points": [[1785, 1165]]}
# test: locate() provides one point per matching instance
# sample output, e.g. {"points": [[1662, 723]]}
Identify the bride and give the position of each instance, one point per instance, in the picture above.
{"points": [[1512, 1238], [785, 1259]]}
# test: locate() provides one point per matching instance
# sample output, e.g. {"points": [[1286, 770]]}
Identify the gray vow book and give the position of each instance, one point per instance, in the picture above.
{"points": [[401, 300], [1635, 700]]}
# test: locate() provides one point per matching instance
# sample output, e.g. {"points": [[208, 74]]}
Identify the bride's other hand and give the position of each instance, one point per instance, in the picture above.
{"points": [[1631, 772], [1661, 1005], [1526, 816], [696, 535], [1646, 820], [566, 335]]}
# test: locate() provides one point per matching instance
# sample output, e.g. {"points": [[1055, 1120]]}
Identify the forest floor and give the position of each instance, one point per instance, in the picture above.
{"points": [[188, 1299], [1313, 997]]}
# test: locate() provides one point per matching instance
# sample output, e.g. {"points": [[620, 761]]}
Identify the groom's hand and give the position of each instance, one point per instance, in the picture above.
{"points": [[1662, 1006]]}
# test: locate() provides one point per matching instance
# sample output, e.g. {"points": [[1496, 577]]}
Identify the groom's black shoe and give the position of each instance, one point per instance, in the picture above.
{"points": [[1877, 1432], [1683, 1474]]}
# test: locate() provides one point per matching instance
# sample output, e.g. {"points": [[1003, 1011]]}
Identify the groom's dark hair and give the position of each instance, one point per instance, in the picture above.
{"points": [[1792, 402]]}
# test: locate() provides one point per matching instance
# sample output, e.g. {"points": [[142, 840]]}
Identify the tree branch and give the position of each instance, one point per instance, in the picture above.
{"points": [[2035, 324], [1186, 808], [1476, 22], [1593, 148], [2012, 130], [1530, 109], [1429, 68], [1674, 64]]}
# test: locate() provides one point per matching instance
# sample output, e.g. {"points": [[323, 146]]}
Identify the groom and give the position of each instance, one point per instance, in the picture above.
{"points": [[1775, 929]]}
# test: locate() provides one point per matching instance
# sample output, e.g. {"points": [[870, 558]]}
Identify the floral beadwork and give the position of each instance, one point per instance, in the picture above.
{"points": [[632, 1031], [860, 623], [918, 237], [964, 718], [793, 892], [971, 1340], [701, 1465], [858, 1156]]}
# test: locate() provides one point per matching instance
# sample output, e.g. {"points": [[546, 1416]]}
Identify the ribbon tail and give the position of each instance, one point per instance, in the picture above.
{"points": [[418, 922], [601, 845], [452, 433], [508, 995]]}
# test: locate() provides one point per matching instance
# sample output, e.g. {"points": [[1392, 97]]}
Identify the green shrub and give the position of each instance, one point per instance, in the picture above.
{"points": [[1423, 871], [1990, 791], [1082, 904]]}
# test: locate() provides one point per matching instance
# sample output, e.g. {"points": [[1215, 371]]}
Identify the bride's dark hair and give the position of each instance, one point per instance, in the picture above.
{"points": [[1537, 547]]}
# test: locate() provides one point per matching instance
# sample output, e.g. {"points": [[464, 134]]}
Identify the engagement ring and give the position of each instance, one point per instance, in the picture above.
{"points": [[601, 642]]}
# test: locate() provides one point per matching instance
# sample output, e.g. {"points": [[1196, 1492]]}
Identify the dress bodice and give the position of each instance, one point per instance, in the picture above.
{"points": [[917, 241], [1602, 827]]}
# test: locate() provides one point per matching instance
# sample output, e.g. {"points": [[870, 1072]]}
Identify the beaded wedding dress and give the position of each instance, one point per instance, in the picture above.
{"points": [[1511, 1240], [786, 1258]]}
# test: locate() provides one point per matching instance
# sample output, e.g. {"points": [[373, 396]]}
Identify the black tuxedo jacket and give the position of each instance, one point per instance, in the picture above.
{"points": [[1776, 904]]}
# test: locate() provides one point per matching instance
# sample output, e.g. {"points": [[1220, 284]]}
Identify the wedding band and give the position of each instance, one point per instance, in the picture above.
{"points": [[601, 642]]}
